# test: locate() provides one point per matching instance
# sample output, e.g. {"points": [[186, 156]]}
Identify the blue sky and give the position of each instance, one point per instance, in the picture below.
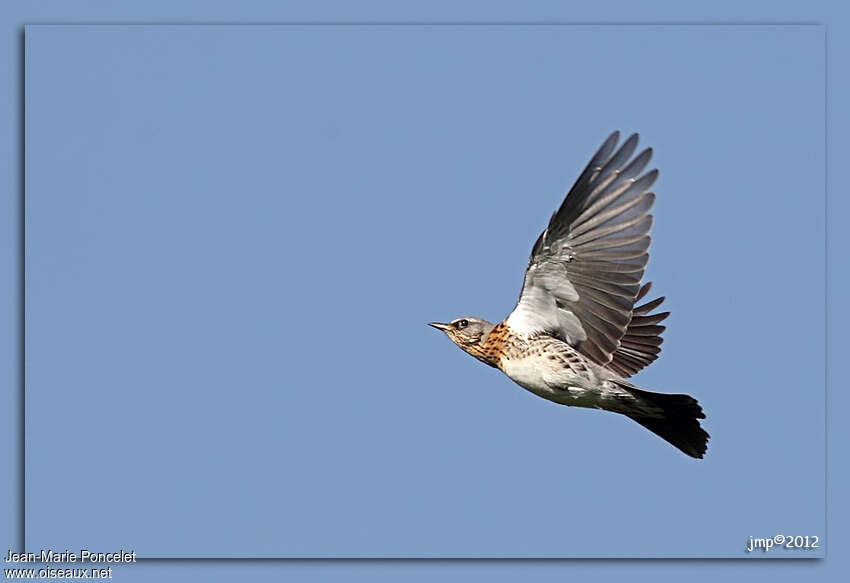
{"points": [[235, 236], [16, 14]]}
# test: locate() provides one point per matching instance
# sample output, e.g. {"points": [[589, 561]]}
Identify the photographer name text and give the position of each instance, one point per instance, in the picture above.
{"points": [[66, 556]]}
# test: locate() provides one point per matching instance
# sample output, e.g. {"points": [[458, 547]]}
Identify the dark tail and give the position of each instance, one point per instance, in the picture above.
{"points": [[679, 425]]}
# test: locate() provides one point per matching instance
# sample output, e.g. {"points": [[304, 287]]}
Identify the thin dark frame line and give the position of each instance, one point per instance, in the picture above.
{"points": [[22, 277], [825, 288], [600, 560], [21, 270], [432, 560], [437, 23]]}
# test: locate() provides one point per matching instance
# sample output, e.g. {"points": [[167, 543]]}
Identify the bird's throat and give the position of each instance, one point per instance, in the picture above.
{"points": [[489, 349]]}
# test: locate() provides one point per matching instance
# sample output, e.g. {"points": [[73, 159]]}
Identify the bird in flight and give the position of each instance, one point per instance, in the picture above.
{"points": [[576, 333]]}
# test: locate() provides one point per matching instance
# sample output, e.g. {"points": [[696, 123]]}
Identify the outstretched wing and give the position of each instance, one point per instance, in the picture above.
{"points": [[641, 344], [585, 269]]}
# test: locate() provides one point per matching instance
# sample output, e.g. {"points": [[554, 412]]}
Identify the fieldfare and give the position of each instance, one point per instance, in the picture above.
{"points": [[575, 334]]}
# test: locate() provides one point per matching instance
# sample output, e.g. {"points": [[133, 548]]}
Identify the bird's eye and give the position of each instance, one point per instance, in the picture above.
{"points": [[461, 324]]}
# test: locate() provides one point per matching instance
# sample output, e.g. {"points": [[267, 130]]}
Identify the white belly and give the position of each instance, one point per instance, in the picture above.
{"points": [[527, 373], [537, 374]]}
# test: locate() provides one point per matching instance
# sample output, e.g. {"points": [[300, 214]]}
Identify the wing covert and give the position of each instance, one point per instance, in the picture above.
{"points": [[585, 269]]}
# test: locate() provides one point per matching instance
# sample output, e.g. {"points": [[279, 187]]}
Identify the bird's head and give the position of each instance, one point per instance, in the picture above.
{"points": [[468, 333]]}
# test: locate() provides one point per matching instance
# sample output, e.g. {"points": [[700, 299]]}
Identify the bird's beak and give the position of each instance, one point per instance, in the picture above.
{"points": [[439, 326]]}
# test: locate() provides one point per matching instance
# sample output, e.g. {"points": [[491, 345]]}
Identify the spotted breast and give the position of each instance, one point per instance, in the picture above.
{"points": [[540, 363]]}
